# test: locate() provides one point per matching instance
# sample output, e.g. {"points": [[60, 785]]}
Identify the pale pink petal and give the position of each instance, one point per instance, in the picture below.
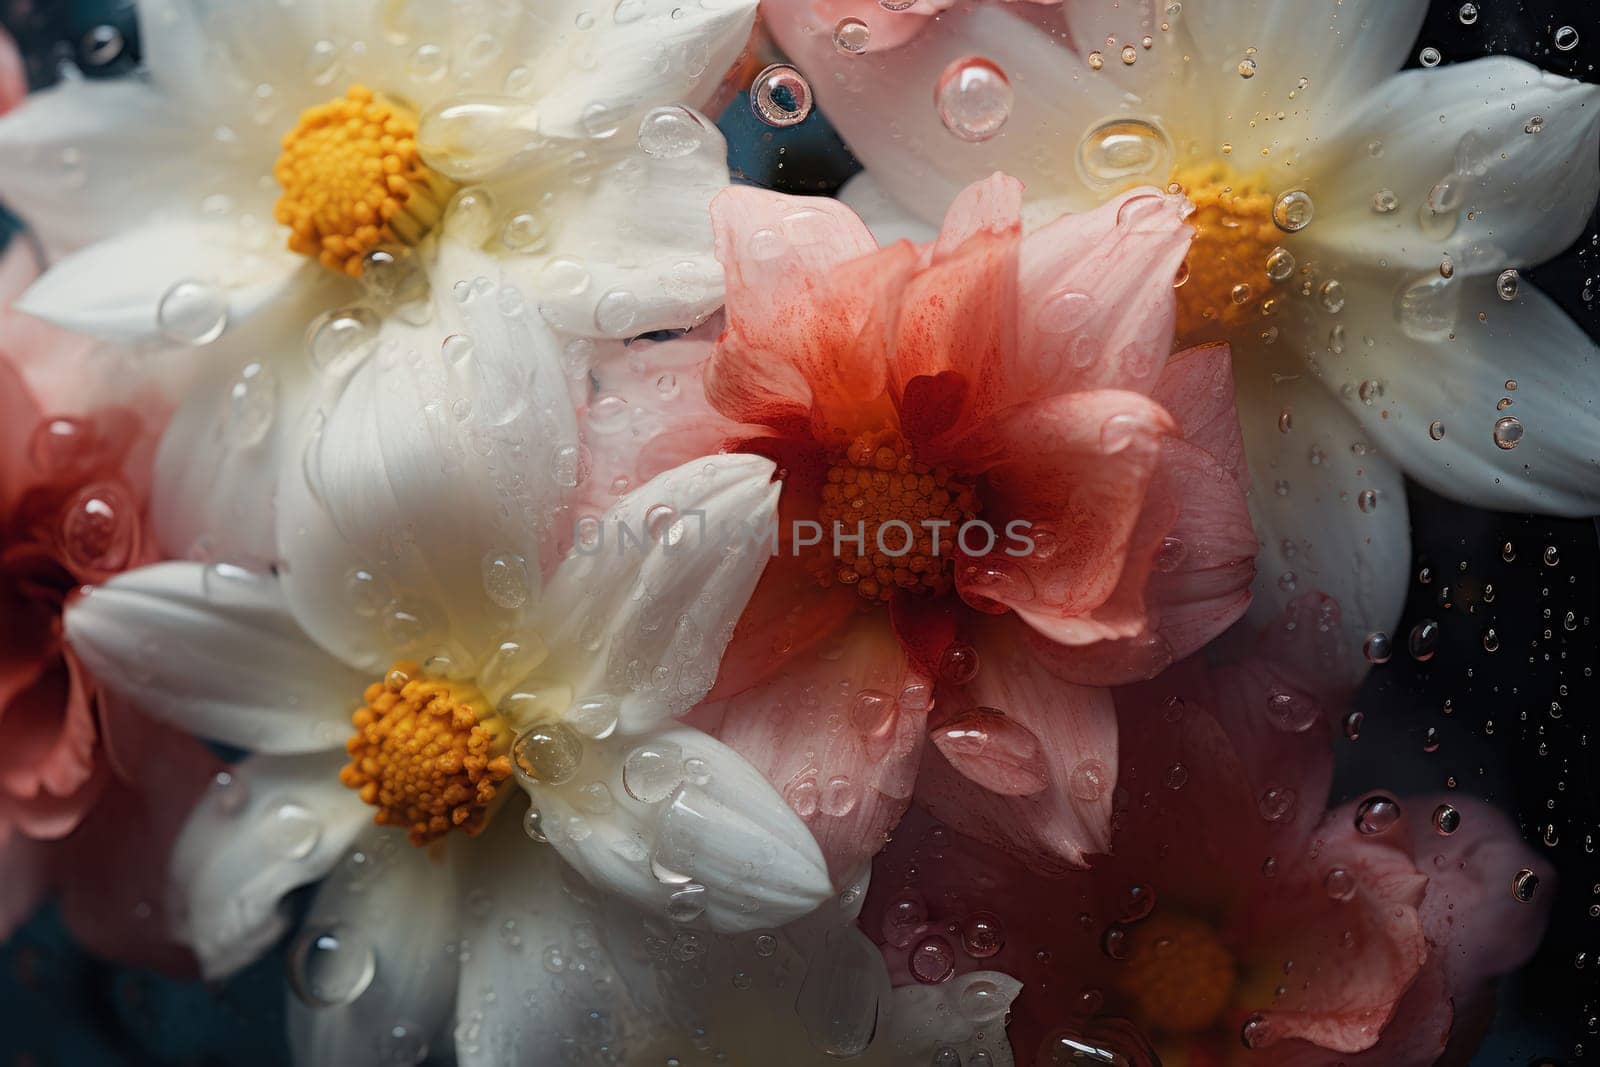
{"points": [[1366, 936], [839, 732], [1477, 926], [47, 744], [958, 315], [1196, 388], [788, 615], [810, 307], [1045, 796], [887, 29], [1097, 304], [1076, 468]]}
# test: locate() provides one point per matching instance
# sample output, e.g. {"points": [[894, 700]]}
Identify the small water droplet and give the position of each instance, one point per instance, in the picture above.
{"points": [[192, 313], [1376, 814], [330, 965], [1508, 432], [1293, 211]]}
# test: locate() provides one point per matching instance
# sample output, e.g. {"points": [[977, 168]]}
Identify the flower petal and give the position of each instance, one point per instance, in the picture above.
{"points": [[722, 827], [1490, 161], [214, 651], [887, 218], [127, 287], [1056, 828], [1318, 528], [399, 904], [279, 822], [644, 614], [465, 424], [630, 247], [656, 52], [926, 1019], [839, 731], [811, 306], [1401, 383]]}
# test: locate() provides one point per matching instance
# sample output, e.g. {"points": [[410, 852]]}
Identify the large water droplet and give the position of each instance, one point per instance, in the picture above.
{"points": [[1122, 152], [330, 965], [469, 138], [193, 313], [974, 98], [671, 132], [548, 754], [652, 771], [780, 96]]}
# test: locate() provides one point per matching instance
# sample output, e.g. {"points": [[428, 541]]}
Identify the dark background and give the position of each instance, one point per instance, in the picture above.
{"points": [[1511, 726]]}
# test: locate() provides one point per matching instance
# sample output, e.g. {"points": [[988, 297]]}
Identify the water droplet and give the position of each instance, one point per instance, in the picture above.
{"points": [[1292, 712], [1123, 152], [1551, 556], [471, 138], [505, 579], [652, 771], [1468, 14], [616, 312], [1430, 57], [292, 831], [548, 754], [330, 965], [1090, 780], [1256, 1031], [1524, 885], [1246, 68], [1423, 640], [1376, 814], [457, 349], [932, 960], [982, 935], [1384, 201], [1276, 803], [671, 133], [780, 96], [533, 826], [1427, 308], [973, 97], [340, 340], [1566, 38], [1436, 430], [959, 664], [1280, 264], [192, 313], [1508, 432], [1293, 211], [1446, 820], [1377, 647], [1340, 884], [100, 530], [687, 902], [851, 36]]}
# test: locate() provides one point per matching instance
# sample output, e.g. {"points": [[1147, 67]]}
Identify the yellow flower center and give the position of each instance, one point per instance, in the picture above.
{"points": [[1235, 259], [353, 181], [1177, 973], [894, 520], [427, 753]]}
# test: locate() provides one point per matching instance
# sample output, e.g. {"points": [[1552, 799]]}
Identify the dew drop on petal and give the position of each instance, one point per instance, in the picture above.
{"points": [[330, 965], [252, 406], [1524, 884], [1293, 211], [851, 36], [192, 313], [1508, 432], [671, 132], [780, 96], [973, 97], [1446, 820], [1376, 814]]}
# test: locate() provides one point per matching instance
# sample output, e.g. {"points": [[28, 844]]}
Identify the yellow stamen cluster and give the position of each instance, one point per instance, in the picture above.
{"points": [[877, 481], [353, 180], [427, 753], [1179, 975], [1234, 236]]}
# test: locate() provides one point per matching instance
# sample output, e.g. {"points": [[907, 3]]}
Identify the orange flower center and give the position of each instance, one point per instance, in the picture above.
{"points": [[1236, 258], [1177, 973], [890, 522], [427, 753], [353, 181]]}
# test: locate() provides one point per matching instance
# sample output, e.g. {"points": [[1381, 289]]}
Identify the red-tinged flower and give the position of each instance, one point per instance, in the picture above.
{"points": [[1020, 497], [90, 792], [1236, 920]]}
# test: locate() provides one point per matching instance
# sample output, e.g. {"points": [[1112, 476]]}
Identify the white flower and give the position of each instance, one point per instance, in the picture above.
{"points": [[1381, 340], [561, 139], [422, 505]]}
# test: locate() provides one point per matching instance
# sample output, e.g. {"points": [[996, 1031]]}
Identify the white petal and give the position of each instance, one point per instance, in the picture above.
{"points": [[888, 220], [434, 472], [1339, 49], [1456, 375], [1306, 506], [216, 472], [66, 155], [214, 651], [967, 1013], [636, 56], [643, 615], [398, 904], [883, 109], [1514, 147], [179, 281], [717, 823], [280, 822], [631, 250]]}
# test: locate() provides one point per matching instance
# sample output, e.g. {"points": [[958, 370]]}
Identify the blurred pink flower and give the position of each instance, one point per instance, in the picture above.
{"points": [[13, 77], [985, 377], [1235, 921], [91, 793]]}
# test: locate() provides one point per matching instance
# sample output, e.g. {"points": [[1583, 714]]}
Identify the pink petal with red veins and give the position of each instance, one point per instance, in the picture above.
{"points": [[1041, 789], [1097, 307], [789, 614], [1350, 908], [1076, 467], [810, 312], [959, 315], [839, 732]]}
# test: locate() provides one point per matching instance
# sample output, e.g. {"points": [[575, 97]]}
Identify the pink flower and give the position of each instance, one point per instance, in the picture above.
{"points": [[1235, 921], [13, 77], [91, 793], [1020, 385]]}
